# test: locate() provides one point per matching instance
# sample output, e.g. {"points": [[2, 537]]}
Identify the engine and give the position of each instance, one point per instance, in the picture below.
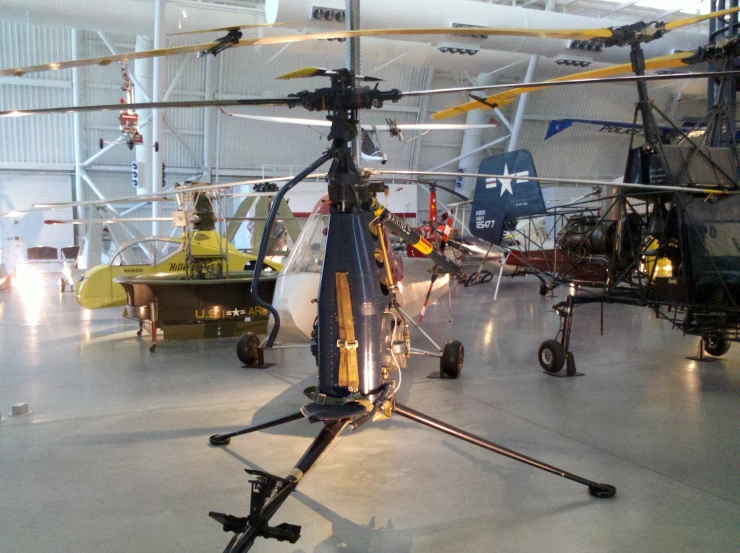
{"points": [[587, 236], [594, 239]]}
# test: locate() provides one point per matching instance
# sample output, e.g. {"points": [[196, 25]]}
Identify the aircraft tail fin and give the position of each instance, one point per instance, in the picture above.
{"points": [[507, 194]]}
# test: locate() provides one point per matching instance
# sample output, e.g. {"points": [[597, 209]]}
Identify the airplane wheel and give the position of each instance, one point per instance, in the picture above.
{"points": [[543, 289], [153, 348], [139, 332], [451, 361], [716, 345], [551, 356], [247, 348]]}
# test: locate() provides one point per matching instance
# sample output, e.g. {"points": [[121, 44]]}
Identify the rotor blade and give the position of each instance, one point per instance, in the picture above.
{"points": [[436, 185], [429, 127], [105, 221], [565, 34], [232, 28], [295, 101], [193, 48], [597, 76], [307, 72], [685, 22], [367, 127], [576, 182], [162, 195], [283, 120], [154, 105]]}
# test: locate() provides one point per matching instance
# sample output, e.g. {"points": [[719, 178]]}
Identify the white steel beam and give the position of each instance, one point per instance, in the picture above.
{"points": [[157, 96]]}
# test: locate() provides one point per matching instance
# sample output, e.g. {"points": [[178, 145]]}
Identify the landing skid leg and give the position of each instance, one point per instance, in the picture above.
{"points": [[594, 488], [270, 492], [224, 439]]}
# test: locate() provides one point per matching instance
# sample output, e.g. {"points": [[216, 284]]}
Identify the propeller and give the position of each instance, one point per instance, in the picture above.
{"points": [[311, 100], [639, 32]]}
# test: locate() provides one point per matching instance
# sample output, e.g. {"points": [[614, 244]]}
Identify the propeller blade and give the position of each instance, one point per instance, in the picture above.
{"points": [[685, 22], [575, 182], [232, 28], [154, 105]]}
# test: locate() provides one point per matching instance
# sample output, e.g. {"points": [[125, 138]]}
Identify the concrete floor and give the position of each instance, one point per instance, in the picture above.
{"points": [[114, 456]]}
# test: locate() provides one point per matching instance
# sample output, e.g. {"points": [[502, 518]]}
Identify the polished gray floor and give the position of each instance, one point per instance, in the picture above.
{"points": [[115, 458]]}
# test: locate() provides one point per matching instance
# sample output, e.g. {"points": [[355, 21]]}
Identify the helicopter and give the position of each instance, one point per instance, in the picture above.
{"points": [[672, 252], [362, 333]]}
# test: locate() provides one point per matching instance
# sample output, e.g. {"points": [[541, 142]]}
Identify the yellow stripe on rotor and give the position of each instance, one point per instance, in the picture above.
{"points": [[502, 98]]}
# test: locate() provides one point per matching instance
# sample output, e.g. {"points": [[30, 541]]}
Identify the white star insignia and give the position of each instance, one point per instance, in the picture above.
{"points": [[506, 183]]}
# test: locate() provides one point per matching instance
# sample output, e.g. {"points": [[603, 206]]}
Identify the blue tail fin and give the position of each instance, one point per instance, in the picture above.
{"points": [[508, 197]]}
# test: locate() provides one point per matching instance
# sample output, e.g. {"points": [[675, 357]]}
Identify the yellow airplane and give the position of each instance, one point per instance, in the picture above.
{"points": [[96, 289]]}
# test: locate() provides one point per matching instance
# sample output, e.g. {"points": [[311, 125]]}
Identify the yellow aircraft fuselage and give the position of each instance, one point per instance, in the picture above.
{"points": [[96, 288]]}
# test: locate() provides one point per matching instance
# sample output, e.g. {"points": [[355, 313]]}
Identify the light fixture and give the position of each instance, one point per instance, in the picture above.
{"points": [[332, 15]]}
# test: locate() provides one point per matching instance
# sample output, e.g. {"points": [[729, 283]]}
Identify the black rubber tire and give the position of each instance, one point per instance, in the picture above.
{"points": [[716, 345], [139, 332], [153, 348], [544, 289], [551, 356], [247, 348], [451, 362]]}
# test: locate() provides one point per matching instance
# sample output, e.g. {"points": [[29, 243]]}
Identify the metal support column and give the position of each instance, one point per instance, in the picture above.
{"points": [[353, 62], [472, 139], [521, 107], [142, 70], [209, 119], [158, 114], [77, 130]]}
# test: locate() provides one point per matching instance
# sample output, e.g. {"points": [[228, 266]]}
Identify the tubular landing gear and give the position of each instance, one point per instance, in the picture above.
{"points": [[553, 355], [269, 492]]}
